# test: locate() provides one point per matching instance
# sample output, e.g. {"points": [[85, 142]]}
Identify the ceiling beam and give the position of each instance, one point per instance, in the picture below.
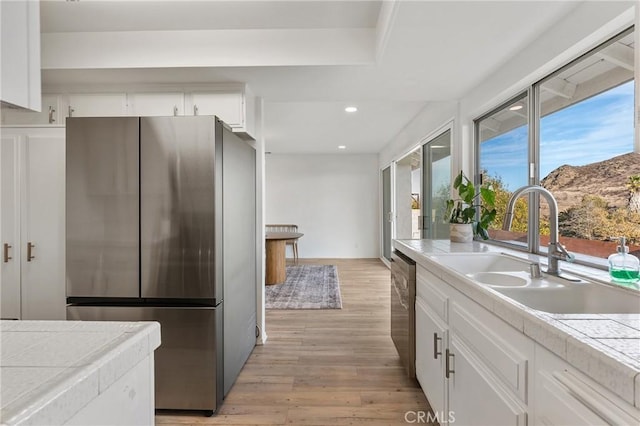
{"points": [[386, 20], [208, 48], [560, 87], [618, 54], [491, 124]]}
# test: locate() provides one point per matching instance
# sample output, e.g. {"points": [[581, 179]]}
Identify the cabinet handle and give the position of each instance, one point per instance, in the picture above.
{"points": [[436, 352], [71, 111], [195, 110], [51, 117], [5, 255], [30, 247], [175, 110], [447, 367]]}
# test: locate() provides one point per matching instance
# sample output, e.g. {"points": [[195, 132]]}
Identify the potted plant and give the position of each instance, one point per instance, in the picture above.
{"points": [[461, 212]]}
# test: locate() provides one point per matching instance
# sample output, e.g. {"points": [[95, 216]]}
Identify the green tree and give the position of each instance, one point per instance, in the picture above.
{"points": [[520, 212], [634, 193]]}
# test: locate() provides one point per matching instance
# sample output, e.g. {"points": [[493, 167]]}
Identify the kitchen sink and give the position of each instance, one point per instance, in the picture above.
{"points": [[511, 277], [576, 298], [502, 279], [471, 263]]}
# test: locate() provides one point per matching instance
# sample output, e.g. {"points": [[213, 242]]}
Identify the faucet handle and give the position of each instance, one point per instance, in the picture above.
{"points": [[534, 270], [567, 256]]}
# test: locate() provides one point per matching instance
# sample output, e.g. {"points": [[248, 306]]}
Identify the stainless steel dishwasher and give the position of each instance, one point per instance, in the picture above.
{"points": [[403, 313]]}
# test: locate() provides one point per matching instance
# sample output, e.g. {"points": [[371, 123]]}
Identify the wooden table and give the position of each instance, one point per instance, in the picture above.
{"points": [[276, 263]]}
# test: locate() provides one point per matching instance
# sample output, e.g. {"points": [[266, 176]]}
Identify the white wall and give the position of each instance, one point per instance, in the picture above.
{"points": [[429, 120], [332, 198], [583, 29]]}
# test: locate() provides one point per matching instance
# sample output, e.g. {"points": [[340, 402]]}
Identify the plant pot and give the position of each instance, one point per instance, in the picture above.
{"points": [[460, 232]]}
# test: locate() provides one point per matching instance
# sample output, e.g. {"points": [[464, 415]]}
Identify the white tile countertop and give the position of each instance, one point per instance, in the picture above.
{"points": [[605, 347], [49, 370]]}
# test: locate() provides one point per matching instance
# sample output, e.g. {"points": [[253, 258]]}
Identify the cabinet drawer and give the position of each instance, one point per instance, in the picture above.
{"points": [[564, 396], [431, 290], [502, 348]]}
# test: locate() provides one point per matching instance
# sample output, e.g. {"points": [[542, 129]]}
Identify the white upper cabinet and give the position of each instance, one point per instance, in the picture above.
{"points": [[20, 53], [155, 104], [228, 106], [48, 115], [96, 105], [234, 106]]}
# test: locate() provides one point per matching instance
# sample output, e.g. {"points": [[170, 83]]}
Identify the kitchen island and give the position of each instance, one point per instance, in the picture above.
{"points": [[77, 372]]}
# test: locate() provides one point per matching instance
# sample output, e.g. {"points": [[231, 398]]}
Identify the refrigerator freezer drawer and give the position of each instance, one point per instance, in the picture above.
{"points": [[188, 363]]}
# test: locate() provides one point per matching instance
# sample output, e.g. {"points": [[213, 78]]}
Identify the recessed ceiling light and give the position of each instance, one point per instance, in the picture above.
{"points": [[342, 147], [515, 107], [351, 109]]}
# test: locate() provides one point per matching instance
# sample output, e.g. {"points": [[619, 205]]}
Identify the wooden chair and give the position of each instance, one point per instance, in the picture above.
{"points": [[292, 243]]}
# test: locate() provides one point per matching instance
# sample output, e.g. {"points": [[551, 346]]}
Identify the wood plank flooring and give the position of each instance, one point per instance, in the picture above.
{"points": [[323, 367]]}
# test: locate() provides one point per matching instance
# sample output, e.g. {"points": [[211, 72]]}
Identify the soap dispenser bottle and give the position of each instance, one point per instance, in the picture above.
{"points": [[624, 267]]}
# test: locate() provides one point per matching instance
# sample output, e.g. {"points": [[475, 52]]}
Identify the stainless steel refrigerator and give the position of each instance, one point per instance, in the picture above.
{"points": [[161, 226]]}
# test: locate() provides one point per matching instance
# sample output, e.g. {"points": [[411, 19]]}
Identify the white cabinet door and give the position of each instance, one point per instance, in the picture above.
{"points": [[20, 53], [96, 105], [475, 396], [48, 114], [33, 223], [155, 104], [431, 338], [565, 397], [556, 406], [228, 106], [9, 228], [43, 227]]}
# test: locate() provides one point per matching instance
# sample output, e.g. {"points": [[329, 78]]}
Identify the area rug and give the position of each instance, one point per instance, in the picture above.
{"points": [[306, 287]]}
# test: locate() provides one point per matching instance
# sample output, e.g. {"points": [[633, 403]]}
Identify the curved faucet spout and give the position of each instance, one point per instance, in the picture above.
{"points": [[553, 209], [556, 250]]}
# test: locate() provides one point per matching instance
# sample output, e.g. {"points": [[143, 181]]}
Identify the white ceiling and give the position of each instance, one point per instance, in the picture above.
{"points": [[421, 51]]}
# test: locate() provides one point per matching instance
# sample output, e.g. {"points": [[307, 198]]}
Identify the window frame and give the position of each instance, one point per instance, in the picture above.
{"points": [[532, 93]]}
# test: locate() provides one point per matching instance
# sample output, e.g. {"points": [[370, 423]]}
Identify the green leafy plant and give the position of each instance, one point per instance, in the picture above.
{"points": [[464, 208]]}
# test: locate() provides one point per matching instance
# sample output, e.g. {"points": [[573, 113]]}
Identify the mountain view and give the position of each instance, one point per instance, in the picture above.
{"points": [[605, 179]]}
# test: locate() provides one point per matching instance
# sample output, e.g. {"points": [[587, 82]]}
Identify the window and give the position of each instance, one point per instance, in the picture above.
{"points": [[503, 137], [407, 196], [586, 146], [582, 150], [436, 155]]}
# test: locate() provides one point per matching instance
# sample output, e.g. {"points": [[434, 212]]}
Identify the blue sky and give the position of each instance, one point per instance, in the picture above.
{"points": [[593, 130]]}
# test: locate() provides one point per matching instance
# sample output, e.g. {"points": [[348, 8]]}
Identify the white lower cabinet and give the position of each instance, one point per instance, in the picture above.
{"points": [[476, 395], [471, 365], [32, 232], [431, 333], [565, 397], [476, 369]]}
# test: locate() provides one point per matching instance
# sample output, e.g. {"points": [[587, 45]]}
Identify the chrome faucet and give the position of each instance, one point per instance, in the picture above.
{"points": [[556, 250]]}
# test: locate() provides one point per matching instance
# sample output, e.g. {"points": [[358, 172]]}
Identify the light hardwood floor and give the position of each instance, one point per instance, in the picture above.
{"points": [[324, 367]]}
